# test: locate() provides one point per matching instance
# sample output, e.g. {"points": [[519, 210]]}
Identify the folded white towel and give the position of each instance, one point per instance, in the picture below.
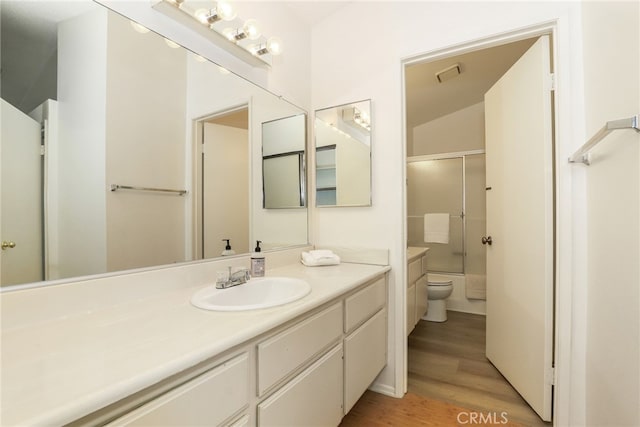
{"points": [[436, 228], [319, 257], [321, 253], [476, 286]]}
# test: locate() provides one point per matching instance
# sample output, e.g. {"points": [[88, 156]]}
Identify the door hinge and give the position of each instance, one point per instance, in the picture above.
{"points": [[550, 376], [552, 82], [42, 150]]}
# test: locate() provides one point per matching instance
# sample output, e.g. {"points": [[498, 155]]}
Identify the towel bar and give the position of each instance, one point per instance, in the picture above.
{"points": [[115, 187], [582, 155]]}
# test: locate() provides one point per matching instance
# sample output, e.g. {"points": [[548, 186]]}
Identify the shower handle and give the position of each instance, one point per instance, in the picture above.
{"points": [[487, 240]]}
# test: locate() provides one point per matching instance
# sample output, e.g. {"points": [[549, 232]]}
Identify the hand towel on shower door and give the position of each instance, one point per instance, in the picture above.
{"points": [[436, 228]]}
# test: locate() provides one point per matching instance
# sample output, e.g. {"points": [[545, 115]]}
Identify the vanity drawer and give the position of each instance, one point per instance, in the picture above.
{"points": [[287, 351], [414, 270], [364, 304], [209, 399], [313, 397]]}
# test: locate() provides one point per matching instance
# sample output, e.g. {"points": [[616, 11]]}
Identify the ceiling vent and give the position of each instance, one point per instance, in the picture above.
{"points": [[448, 73]]}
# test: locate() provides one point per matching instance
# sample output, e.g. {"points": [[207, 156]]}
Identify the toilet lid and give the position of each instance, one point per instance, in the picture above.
{"points": [[442, 282]]}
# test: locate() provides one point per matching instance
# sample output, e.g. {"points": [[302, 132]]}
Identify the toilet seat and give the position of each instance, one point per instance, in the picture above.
{"points": [[442, 282]]}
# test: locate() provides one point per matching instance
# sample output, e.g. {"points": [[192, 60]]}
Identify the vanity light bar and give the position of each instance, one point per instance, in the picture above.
{"points": [[352, 114], [221, 25]]}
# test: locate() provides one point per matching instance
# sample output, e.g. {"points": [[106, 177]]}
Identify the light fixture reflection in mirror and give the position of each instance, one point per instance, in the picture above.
{"points": [[127, 118], [343, 155]]}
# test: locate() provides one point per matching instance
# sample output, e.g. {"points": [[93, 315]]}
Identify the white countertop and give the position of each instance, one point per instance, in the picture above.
{"points": [[415, 251], [57, 371]]}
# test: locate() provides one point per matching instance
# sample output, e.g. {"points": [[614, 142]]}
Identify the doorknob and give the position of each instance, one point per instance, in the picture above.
{"points": [[8, 245], [487, 240]]}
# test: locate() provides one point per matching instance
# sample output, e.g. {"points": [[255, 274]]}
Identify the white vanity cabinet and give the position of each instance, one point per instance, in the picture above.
{"points": [[416, 286], [309, 371], [211, 398]]}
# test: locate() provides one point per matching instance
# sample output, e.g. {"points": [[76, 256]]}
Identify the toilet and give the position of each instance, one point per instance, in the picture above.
{"points": [[438, 292]]}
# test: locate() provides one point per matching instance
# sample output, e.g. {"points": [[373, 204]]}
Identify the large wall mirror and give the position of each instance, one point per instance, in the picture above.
{"points": [[151, 155], [343, 155]]}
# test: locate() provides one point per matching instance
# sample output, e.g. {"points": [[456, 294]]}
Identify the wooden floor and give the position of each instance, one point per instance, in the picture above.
{"points": [[450, 383], [374, 410]]}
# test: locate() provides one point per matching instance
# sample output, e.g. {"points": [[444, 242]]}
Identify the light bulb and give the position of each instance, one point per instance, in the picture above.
{"points": [[139, 28], [251, 30], [229, 33], [201, 15], [226, 11], [274, 45]]}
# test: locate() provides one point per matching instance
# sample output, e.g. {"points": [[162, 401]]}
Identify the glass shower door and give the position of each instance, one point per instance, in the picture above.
{"points": [[437, 186]]}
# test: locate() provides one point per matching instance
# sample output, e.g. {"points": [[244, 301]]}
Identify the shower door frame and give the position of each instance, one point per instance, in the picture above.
{"points": [[463, 215]]}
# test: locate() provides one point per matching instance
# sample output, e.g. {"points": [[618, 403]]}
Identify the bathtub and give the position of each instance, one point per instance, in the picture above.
{"points": [[458, 300]]}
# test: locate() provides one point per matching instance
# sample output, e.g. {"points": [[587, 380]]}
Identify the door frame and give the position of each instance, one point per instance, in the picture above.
{"points": [[563, 292], [196, 149]]}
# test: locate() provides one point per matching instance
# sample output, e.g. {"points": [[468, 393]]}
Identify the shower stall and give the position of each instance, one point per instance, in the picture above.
{"points": [[454, 184]]}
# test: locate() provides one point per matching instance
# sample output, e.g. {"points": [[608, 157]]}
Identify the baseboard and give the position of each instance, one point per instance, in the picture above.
{"points": [[385, 389], [480, 313]]}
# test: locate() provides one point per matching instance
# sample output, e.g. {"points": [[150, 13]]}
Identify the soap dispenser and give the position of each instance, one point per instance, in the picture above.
{"points": [[227, 249], [257, 261]]}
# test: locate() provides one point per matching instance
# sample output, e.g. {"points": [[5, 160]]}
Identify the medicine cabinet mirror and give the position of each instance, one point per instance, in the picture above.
{"points": [[121, 183], [343, 155], [283, 163]]}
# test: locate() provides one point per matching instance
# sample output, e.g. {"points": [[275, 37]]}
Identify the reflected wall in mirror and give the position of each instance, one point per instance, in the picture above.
{"points": [[343, 155], [121, 105], [283, 163]]}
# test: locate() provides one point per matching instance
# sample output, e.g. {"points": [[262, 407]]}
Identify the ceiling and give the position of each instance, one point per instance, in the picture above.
{"points": [[312, 12], [427, 99]]}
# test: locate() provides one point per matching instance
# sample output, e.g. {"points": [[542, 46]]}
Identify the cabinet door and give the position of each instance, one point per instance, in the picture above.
{"points": [[365, 354], [421, 298], [313, 398], [411, 307], [414, 270], [207, 400]]}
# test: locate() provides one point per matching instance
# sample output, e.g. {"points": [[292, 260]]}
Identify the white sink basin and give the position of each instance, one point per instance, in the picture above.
{"points": [[257, 293]]}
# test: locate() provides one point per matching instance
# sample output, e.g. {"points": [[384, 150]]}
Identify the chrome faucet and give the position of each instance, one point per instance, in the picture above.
{"points": [[233, 279]]}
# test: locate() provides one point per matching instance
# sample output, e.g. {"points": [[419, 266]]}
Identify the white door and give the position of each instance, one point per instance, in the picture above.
{"points": [[519, 184], [225, 185], [21, 195]]}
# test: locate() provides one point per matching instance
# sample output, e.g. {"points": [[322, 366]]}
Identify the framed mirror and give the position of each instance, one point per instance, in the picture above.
{"points": [[343, 155], [134, 167]]}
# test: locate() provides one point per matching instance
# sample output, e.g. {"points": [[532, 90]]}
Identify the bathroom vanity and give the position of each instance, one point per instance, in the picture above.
{"points": [[416, 285], [155, 358]]}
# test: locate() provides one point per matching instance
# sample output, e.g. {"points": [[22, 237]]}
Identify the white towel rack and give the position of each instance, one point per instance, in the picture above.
{"points": [[582, 155], [115, 187]]}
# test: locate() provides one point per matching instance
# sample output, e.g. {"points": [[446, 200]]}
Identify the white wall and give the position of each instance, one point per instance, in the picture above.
{"points": [[612, 91], [81, 172], [462, 130], [392, 31], [145, 147]]}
